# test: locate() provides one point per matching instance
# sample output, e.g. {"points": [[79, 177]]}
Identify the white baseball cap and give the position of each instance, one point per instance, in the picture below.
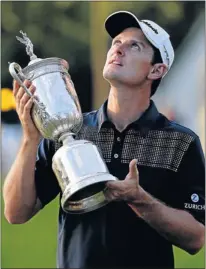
{"points": [[157, 36]]}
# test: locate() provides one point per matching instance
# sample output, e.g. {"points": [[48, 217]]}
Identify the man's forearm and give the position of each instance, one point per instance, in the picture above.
{"points": [[19, 188], [177, 226]]}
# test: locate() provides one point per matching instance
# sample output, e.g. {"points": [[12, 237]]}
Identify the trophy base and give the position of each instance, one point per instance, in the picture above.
{"points": [[93, 194], [82, 175]]}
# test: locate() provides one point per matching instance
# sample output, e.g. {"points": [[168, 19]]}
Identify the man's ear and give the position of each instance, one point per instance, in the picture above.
{"points": [[157, 71]]}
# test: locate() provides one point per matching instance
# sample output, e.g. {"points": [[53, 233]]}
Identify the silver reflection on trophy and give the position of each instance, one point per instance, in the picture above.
{"points": [[80, 170]]}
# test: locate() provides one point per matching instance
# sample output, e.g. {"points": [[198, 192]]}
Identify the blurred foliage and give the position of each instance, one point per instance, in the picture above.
{"points": [[74, 30], [63, 33], [63, 28]]}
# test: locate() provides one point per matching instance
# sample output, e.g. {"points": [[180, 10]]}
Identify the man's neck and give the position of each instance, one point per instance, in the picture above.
{"points": [[126, 106]]}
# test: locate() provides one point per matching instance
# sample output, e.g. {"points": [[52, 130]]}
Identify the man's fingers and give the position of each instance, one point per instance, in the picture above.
{"points": [[24, 99], [114, 185], [108, 195], [111, 195], [19, 91], [65, 64], [15, 87], [20, 94], [133, 171], [27, 108]]}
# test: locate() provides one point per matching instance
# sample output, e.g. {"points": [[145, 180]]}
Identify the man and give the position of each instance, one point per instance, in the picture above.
{"points": [[159, 200]]}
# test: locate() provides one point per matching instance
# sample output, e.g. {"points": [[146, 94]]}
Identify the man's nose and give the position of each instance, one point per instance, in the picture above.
{"points": [[120, 50]]}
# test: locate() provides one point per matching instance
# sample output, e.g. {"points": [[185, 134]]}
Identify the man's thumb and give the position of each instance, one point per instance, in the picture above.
{"points": [[133, 171]]}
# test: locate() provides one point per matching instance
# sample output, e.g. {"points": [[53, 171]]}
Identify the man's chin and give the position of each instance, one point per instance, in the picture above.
{"points": [[109, 76]]}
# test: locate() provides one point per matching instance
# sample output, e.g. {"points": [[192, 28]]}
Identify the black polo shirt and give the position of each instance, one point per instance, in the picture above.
{"points": [[171, 168]]}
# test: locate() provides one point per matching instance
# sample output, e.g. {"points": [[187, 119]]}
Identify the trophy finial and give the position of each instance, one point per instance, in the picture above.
{"points": [[29, 46]]}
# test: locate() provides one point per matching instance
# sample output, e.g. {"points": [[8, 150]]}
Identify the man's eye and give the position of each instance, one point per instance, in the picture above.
{"points": [[135, 45], [116, 42]]}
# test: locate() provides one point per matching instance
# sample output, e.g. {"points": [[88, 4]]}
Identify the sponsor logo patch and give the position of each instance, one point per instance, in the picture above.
{"points": [[194, 206], [195, 197]]}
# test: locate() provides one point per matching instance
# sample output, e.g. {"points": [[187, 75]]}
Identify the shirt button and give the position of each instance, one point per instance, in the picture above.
{"points": [[118, 139], [116, 155]]}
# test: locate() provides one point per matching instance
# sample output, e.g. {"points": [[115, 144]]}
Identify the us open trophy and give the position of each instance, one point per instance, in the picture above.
{"points": [[78, 165]]}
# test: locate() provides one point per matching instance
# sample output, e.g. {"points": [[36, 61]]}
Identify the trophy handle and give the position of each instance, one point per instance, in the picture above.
{"points": [[16, 72]]}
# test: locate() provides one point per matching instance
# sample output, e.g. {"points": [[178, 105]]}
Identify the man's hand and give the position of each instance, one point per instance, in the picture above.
{"points": [[177, 226], [128, 189], [23, 107]]}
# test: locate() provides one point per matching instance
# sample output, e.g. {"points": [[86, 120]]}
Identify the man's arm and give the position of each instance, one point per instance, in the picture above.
{"points": [[19, 190], [177, 226], [31, 183]]}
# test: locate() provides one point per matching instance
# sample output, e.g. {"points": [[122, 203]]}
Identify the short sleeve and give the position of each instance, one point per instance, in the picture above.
{"points": [[191, 177], [47, 186]]}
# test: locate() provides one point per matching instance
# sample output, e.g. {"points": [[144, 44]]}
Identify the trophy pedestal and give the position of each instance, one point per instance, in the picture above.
{"points": [[81, 174]]}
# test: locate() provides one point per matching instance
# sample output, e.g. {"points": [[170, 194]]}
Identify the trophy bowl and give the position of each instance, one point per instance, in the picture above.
{"points": [[78, 165]]}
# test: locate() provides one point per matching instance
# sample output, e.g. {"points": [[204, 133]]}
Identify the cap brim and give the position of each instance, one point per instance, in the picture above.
{"points": [[119, 21]]}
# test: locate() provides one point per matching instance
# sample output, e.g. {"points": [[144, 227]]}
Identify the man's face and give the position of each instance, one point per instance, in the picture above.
{"points": [[129, 58]]}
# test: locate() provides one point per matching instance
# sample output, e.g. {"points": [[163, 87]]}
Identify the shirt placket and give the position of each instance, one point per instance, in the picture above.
{"points": [[117, 146]]}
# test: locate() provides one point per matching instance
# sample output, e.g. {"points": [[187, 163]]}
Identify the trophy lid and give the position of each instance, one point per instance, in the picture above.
{"points": [[29, 47]]}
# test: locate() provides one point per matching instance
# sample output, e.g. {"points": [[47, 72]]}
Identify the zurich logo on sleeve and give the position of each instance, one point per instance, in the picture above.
{"points": [[195, 197]]}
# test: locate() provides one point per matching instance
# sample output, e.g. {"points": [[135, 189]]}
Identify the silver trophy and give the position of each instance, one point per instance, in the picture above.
{"points": [[78, 165]]}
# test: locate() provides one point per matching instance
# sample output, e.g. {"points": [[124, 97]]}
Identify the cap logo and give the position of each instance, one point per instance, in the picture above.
{"points": [[148, 24], [167, 55]]}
